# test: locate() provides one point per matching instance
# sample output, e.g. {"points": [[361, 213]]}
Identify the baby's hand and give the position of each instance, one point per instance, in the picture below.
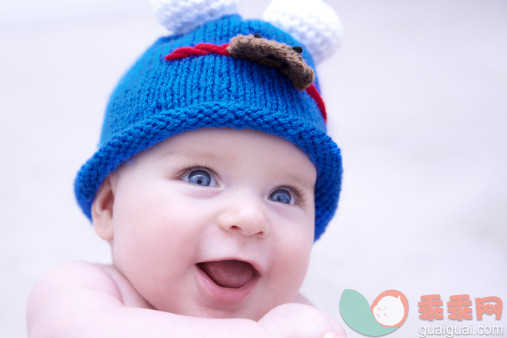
{"points": [[299, 320]]}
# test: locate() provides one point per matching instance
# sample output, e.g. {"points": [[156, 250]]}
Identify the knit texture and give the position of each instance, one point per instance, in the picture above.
{"points": [[313, 23], [180, 17], [274, 54], [158, 98]]}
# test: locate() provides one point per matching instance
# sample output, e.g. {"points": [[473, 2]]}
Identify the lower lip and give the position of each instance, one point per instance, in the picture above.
{"points": [[222, 294]]}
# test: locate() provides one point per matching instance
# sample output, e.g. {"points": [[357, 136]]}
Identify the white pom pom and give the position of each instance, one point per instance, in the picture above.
{"points": [[313, 23], [183, 16]]}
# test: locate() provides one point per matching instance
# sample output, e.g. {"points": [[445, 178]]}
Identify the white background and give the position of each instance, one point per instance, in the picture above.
{"points": [[417, 98]]}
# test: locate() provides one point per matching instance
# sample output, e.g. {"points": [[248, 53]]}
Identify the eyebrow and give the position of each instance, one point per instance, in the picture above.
{"points": [[198, 154], [193, 154], [305, 183]]}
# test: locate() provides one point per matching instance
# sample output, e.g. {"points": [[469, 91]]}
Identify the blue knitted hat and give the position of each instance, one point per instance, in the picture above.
{"points": [[158, 98]]}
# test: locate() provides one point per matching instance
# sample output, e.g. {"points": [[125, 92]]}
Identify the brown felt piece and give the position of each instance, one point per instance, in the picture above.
{"points": [[275, 54]]}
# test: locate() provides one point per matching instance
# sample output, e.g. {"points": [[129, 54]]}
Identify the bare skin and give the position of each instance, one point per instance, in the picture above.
{"points": [[80, 299]]}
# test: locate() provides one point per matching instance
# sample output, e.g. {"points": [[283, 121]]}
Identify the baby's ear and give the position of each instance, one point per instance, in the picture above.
{"points": [[102, 210]]}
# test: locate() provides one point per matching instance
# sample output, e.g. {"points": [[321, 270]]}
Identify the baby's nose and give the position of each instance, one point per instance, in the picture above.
{"points": [[245, 215]]}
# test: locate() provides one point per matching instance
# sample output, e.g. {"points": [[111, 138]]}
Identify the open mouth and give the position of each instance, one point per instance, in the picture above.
{"points": [[229, 273]]}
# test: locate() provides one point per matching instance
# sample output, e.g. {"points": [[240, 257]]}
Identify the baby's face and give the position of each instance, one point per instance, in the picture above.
{"points": [[215, 222]]}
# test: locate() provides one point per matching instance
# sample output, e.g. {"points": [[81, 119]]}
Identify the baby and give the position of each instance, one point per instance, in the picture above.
{"points": [[214, 176]]}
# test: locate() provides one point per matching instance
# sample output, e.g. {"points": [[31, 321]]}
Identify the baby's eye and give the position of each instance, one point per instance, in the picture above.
{"points": [[200, 177], [282, 196]]}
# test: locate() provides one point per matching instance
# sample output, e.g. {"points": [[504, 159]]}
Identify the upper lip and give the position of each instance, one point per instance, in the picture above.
{"points": [[257, 267]]}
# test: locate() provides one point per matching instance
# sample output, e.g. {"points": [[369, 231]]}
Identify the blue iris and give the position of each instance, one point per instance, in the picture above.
{"points": [[200, 177], [282, 196]]}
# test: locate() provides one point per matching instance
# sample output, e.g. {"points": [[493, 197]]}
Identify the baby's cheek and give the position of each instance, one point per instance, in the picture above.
{"points": [[292, 263]]}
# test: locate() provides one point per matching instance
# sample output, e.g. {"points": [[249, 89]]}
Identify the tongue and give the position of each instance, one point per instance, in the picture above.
{"points": [[229, 274]]}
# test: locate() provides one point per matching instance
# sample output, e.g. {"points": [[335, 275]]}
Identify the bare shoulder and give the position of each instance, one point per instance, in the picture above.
{"points": [[68, 291], [76, 275]]}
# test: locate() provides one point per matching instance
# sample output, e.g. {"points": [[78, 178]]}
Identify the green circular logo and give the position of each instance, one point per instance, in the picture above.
{"points": [[386, 314]]}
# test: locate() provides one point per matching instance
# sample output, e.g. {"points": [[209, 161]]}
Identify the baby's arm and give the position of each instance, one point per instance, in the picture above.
{"points": [[80, 299], [300, 320]]}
